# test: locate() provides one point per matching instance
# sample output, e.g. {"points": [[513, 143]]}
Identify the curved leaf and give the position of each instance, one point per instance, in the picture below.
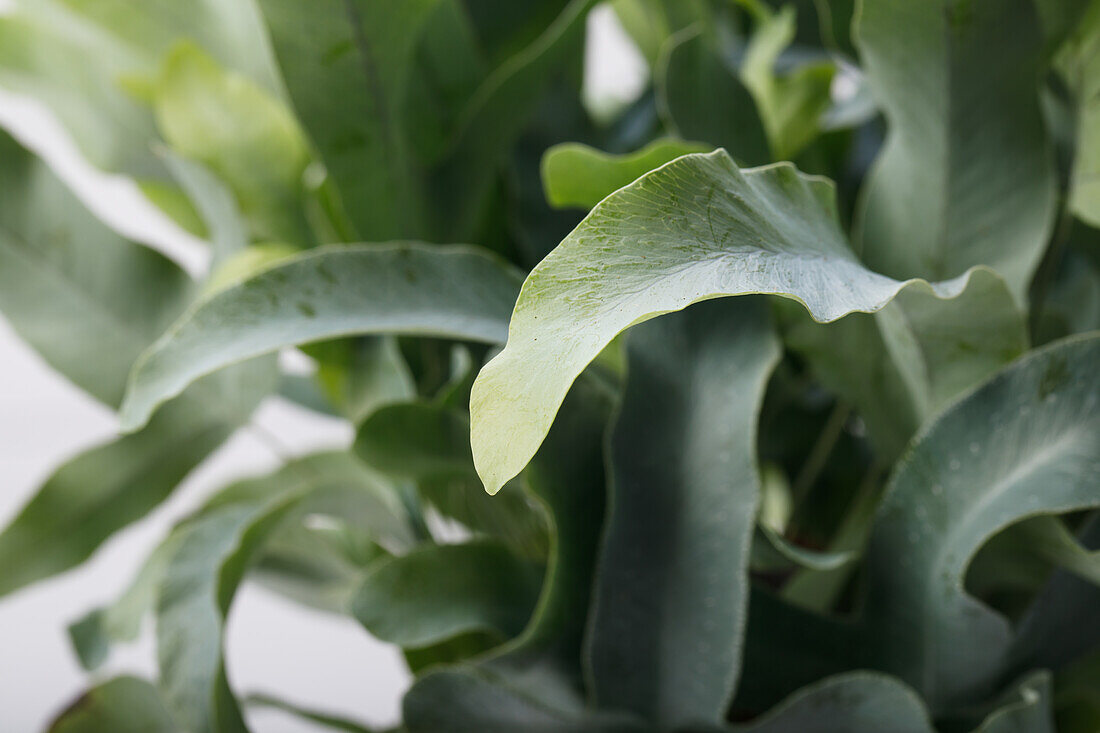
{"points": [[77, 57], [855, 702], [86, 299], [966, 176], [535, 680], [120, 705], [322, 719], [1025, 709], [669, 614], [916, 354], [582, 176], [773, 552], [441, 591], [695, 229], [448, 701], [430, 445], [212, 554], [1026, 442], [89, 302], [214, 204], [1057, 629], [334, 291], [104, 489], [242, 133]]}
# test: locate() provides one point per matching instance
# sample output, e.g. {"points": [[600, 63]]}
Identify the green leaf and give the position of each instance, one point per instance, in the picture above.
{"points": [[442, 591], [242, 133], [361, 375], [917, 353], [650, 22], [791, 104], [348, 78], [213, 202], [702, 98], [1080, 64], [106, 488], [944, 347], [695, 229], [535, 680], [85, 298], [966, 176], [1056, 630], [672, 591], [89, 302], [1024, 443], [1028, 551], [335, 291], [355, 85], [94, 634], [580, 176], [429, 444], [76, 58], [216, 548], [120, 705], [319, 560], [1025, 709], [772, 552], [855, 702]]}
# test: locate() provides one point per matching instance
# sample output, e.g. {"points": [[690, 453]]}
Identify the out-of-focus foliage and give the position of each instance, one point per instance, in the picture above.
{"points": [[863, 498]]}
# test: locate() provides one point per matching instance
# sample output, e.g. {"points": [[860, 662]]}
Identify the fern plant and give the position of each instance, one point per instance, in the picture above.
{"points": [[860, 497]]}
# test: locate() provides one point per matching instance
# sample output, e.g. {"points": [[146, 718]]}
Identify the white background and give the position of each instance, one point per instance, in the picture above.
{"points": [[274, 646]]}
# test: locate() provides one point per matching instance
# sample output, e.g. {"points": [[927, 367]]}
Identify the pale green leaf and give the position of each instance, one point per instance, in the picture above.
{"points": [[214, 203], [335, 291], [242, 133], [791, 104], [695, 229], [673, 585], [966, 176], [580, 176], [76, 58]]}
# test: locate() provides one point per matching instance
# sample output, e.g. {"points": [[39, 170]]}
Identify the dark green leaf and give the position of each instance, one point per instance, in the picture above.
{"points": [[671, 595], [1026, 442], [966, 176]]}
